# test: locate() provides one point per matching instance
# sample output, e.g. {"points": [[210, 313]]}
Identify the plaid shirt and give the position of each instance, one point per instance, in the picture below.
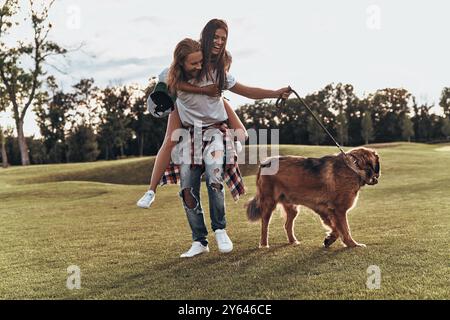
{"points": [[232, 174]]}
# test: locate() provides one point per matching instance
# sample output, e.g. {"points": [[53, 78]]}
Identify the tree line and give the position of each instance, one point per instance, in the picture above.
{"points": [[89, 123], [390, 114]]}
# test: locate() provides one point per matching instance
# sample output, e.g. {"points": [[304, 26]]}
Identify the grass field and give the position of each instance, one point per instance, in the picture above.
{"points": [[54, 216]]}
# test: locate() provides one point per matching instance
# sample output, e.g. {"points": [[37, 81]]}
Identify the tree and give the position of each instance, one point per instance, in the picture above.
{"points": [[22, 84], [422, 122], [87, 107], [316, 133], [259, 115], [388, 106], [407, 127], [445, 101], [54, 121], [341, 98], [5, 163], [367, 131], [37, 150], [342, 128], [149, 131], [446, 127], [290, 119], [293, 120], [82, 144], [114, 129], [355, 113], [3, 103]]}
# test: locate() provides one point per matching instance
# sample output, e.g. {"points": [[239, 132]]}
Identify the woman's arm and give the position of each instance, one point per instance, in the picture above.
{"points": [[259, 93], [235, 122], [211, 90]]}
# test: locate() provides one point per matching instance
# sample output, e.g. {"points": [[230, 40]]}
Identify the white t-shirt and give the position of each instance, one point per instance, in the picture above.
{"points": [[201, 109]]}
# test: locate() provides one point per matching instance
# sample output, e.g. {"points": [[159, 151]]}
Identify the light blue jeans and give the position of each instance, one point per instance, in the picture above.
{"points": [[190, 179]]}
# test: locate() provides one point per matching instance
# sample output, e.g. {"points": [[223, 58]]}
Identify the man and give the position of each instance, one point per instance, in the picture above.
{"points": [[205, 115]]}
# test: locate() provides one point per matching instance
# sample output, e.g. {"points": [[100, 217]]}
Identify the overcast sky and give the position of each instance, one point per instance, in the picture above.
{"points": [[307, 44]]}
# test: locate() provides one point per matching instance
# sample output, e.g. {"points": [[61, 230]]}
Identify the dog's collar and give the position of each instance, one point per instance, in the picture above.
{"points": [[352, 163]]}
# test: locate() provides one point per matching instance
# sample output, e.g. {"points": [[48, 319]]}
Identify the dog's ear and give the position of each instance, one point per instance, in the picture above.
{"points": [[370, 158], [377, 163], [373, 167], [360, 154], [367, 161]]}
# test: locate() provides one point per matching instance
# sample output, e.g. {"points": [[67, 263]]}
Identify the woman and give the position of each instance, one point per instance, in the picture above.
{"points": [[216, 60]]}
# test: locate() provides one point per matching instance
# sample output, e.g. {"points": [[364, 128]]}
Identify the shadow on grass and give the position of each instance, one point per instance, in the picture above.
{"points": [[239, 262], [245, 273]]}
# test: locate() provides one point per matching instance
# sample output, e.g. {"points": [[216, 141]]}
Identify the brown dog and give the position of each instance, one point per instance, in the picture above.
{"points": [[327, 185]]}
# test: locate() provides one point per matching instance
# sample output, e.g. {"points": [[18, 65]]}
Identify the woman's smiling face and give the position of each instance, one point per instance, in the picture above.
{"points": [[220, 40], [193, 64]]}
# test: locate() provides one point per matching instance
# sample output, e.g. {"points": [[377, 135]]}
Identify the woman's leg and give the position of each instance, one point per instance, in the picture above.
{"points": [[163, 157]]}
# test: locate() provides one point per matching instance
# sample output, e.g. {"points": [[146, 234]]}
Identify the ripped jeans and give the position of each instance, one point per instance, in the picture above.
{"points": [[190, 182]]}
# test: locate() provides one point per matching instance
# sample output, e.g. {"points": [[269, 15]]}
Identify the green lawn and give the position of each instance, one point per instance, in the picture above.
{"points": [[55, 216]]}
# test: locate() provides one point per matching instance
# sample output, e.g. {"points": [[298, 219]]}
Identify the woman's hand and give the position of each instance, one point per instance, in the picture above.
{"points": [[284, 92], [211, 90], [259, 93]]}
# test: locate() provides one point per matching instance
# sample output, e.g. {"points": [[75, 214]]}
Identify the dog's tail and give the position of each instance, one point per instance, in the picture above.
{"points": [[254, 205]]}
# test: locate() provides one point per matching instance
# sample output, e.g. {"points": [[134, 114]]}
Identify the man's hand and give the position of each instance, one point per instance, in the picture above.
{"points": [[212, 90], [284, 92]]}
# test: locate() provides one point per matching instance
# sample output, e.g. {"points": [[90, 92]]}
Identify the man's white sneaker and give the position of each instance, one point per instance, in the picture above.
{"points": [[223, 241], [196, 248], [147, 199]]}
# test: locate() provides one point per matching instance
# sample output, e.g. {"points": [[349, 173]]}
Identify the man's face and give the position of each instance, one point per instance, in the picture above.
{"points": [[193, 64], [220, 38]]}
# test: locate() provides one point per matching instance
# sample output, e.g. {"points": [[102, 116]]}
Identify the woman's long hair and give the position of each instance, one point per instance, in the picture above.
{"points": [[176, 72], [220, 63]]}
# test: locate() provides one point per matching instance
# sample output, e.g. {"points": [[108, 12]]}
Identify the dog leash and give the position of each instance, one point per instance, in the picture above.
{"points": [[351, 163], [282, 101]]}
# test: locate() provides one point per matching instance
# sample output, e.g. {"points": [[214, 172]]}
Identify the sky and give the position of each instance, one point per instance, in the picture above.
{"points": [[305, 44]]}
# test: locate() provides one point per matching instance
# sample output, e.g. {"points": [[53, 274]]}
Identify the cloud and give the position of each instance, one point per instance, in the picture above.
{"points": [[244, 53], [96, 65], [108, 71], [113, 71], [148, 19]]}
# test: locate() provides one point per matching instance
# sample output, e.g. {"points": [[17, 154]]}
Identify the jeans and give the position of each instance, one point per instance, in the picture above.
{"points": [[190, 180]]}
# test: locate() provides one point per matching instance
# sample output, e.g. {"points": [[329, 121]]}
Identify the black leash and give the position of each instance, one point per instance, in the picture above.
{"points": [[349, 160], [281, 101]]}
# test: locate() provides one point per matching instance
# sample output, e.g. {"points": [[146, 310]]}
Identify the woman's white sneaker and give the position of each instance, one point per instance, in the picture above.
{"points": [[147, 199], [223, 241], [196, 249]]}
